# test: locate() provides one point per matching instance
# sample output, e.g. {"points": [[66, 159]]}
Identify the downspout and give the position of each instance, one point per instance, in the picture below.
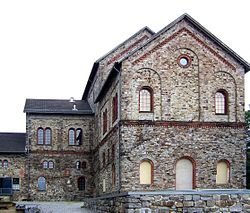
{"points": [[119, 126]]}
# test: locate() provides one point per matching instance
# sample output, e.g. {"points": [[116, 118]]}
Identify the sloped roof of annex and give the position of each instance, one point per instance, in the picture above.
{"points": [[57, 106], [12, 143]]}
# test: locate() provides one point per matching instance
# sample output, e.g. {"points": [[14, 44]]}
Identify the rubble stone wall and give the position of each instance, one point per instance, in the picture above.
{"points": [[166, 202]]}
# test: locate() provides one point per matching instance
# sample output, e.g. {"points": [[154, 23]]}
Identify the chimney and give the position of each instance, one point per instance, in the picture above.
{"points": [[71, 100]]}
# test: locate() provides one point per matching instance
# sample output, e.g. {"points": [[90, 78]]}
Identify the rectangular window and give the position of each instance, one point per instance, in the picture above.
{"points": [[16, 184], [105, 121], [115, 108]]}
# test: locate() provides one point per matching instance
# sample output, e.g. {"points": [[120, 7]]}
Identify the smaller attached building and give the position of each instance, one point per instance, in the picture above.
{"points": [[59, 138], [12, 162]]}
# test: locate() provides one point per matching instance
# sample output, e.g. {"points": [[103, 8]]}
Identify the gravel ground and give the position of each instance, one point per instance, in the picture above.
{"points": [[58, 207]]}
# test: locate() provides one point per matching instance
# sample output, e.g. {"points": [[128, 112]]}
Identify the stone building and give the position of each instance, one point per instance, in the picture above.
{"points": [[161, 111]]}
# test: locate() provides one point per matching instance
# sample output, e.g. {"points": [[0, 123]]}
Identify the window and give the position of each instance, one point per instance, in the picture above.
{"points": [[184, 61], [51, 164], [78, 165], [75, 136], [108, 157], [115, 108], [5, 164], [45, 164], [146, 172], [145, 99], [81, 183], [113, 152], [40, 136], [113, 175], [222, 176], [16, 184], [47, 136], [78, 136], [221, 102], [103, 159], [104, 121], [44, 136], [41, 183], [84, 165]]}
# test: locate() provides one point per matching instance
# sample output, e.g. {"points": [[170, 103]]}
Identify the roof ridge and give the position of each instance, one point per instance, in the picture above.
{"points": [[200, 28]]}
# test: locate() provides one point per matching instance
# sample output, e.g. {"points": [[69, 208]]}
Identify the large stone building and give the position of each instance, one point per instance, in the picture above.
{"points": [[161, 111]]}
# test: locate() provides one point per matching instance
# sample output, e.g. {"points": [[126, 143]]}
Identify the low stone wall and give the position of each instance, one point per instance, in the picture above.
{"points": [[196, 201]]}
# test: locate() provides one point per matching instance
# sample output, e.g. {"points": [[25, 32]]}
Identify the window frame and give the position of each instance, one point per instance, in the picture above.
{"points": [[15, 187], [105, 121], [150, 91], [113, 175], [74, 136], [228, 171], [44, 138], [80, 183], [43, 182], [115, 108], [225, 97], [45, 164], [5, 164], [152, 171]]}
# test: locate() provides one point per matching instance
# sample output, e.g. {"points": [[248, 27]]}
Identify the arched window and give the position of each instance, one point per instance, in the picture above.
{"points": [[78, 136], [51, 164], [71, 137], [81, 183], [113, 175], [145, 99], [41, 183], [221, 102], [146, 172], [40, 135], [47, 136], [45, 164], [222, 174], [78, 165], [185, 174], [5, 164], [75, 136]]}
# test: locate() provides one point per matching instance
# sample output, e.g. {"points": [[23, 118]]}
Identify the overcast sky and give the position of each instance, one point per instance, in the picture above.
{"points": [[47, 47]]}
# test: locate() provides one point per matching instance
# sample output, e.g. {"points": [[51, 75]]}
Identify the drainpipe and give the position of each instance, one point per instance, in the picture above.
{"points": [[119, 128]]}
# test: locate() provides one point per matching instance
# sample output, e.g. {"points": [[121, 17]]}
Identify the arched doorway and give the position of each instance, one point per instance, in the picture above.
{"points": [[184, 174]]}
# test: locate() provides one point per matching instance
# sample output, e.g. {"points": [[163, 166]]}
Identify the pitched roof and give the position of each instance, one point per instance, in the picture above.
{"points": [[203, 30], [57, 106], [96, 63], [12, 143]]}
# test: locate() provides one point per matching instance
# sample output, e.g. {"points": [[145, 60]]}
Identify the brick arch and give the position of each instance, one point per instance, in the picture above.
{"points": [[193, 169], [146, 78]]}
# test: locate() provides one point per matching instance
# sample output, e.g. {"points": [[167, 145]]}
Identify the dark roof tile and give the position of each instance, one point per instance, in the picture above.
{"points": [[57, 106], [12, 143]]}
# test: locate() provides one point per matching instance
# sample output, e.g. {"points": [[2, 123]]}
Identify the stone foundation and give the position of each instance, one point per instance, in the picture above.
{"points": [[195, 201]]}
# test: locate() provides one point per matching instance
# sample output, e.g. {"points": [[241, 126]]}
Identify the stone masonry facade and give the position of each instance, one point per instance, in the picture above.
{"points": [[161, 112]]}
